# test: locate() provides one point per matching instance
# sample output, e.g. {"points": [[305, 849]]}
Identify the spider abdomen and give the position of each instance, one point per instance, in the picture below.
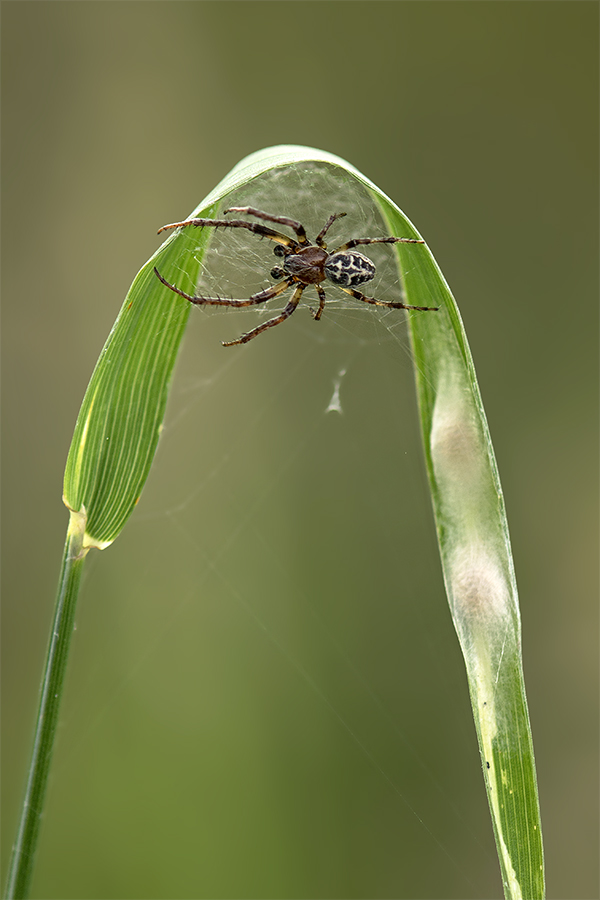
{"points": [[349, 268]]}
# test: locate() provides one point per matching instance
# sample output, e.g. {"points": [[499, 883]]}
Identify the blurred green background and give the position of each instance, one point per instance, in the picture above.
{"points": [[266, 696]]}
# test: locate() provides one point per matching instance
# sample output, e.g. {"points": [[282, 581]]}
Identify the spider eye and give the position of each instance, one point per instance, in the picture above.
{"points": [[279, 250], [277, 272]]}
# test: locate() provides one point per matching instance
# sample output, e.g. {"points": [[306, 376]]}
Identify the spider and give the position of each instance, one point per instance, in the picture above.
{"points": [[303, 264]]}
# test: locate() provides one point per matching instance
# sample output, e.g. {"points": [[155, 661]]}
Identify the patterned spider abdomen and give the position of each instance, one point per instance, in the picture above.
{"points": [[349, 268]]}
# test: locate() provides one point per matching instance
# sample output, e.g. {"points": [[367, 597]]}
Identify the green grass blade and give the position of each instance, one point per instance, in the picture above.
{"points": [[24, 849]]}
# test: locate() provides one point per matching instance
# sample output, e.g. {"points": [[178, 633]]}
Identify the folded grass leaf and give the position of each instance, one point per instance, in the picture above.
{"points": [[115, 439]]}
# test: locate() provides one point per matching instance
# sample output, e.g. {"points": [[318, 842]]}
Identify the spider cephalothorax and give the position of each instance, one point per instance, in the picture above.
{"points": [[304, 264]]}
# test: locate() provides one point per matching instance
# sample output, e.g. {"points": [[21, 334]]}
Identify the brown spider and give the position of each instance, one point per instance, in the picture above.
{"points": [[303, 264]]}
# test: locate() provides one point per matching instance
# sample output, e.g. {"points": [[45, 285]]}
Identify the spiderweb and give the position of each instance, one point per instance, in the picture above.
{"points": [[284, 639]]}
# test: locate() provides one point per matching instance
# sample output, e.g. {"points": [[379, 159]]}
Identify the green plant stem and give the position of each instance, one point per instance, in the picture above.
{"points": [[23, 855]]}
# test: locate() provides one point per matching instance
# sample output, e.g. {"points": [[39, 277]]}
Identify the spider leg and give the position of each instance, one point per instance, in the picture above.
{"points": [[260, 297], [279, 220], [325, 229], [386, 240], [286, 313], [358, 296], [319, 312], [255, 227]]}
